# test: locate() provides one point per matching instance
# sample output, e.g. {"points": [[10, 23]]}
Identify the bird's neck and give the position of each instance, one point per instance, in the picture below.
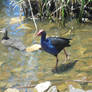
{"points": [[43, 37]]}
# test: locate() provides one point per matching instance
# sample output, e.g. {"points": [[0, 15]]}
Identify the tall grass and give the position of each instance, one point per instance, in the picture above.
{"points": [[60, 10]]}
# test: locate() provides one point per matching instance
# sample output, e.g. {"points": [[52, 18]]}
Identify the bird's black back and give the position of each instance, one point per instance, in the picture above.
{"points": [[59, 42]]}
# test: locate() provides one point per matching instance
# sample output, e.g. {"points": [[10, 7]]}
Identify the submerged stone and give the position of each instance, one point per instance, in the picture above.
{"points": [[14, 43], [34, 47], [42, 87]]}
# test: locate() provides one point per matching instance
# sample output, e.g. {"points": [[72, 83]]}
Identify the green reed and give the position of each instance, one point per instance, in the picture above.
{"points": [[62, 9]]}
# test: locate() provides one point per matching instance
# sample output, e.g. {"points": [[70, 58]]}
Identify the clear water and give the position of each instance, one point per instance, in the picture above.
{"points": [[23, 68]]}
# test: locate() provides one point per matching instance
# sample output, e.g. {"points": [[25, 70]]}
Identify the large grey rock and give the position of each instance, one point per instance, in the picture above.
{"points": [[52, 89], [42, 87], [14, 43], [11, 42]]}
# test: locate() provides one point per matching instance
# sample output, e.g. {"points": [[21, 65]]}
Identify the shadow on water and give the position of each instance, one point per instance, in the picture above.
{"points": [[65, 67]]}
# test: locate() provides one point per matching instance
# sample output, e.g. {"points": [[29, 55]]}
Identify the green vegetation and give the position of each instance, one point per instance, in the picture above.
{"points": [[57, 10]]}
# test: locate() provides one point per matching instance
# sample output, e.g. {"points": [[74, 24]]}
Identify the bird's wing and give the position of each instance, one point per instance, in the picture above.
{"points": [[56, 41], [59, 42]]}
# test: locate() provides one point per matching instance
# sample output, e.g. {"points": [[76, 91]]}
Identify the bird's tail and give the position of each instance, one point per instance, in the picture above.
{"points": [[68, 42]]}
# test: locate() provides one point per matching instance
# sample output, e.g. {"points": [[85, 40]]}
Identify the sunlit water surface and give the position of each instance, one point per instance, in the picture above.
{"points": [[18, 69]]}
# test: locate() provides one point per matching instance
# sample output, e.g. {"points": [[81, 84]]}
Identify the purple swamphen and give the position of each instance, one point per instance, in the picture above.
{"points": [[53, 45]]}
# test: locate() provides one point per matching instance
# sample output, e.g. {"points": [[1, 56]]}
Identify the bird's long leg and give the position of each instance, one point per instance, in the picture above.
{"points": [[56, 62], [66, 55]]}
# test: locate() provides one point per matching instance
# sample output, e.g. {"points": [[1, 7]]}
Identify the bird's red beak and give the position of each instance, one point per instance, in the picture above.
{"points": [[40, 32]]}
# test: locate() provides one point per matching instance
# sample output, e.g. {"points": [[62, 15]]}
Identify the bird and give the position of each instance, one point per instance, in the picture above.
{"points": [[53, 45], [11, 42]]}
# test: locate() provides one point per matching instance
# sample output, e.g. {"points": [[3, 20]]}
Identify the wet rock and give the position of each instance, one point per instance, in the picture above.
{"points": [[72, 89], [42, 87], [33, 48], [52, 89], [14, 43], [45, 87], [11, 42], [11, 90]]}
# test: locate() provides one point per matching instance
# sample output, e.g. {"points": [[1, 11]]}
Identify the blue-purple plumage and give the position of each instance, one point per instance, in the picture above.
{"points": [[54, 45]]}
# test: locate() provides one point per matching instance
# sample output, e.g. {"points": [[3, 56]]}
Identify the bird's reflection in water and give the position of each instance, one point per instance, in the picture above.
{"points": [[65, 67]]}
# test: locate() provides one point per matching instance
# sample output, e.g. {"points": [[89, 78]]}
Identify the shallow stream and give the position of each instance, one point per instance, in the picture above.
{"points": [[18, 69]]}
